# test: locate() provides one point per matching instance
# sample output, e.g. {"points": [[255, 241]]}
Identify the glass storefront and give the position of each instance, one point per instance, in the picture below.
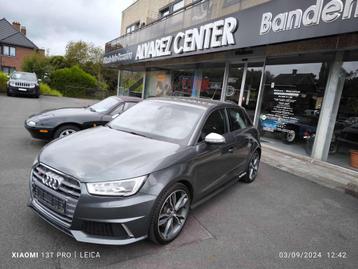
{"points": [[344, 144], [293, 91], [292, 99], [131, 83], [234, 81], [205, 82]]}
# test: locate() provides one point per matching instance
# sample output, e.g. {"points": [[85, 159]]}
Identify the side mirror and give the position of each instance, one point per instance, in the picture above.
{"points": [[214, 138], [115, 116], [39, 80]]}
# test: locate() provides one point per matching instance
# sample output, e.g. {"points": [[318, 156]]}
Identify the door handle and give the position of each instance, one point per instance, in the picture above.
{"points": [[230, 150]]}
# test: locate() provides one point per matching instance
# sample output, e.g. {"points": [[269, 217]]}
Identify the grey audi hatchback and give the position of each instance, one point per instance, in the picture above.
{"points": [[140, 175]]}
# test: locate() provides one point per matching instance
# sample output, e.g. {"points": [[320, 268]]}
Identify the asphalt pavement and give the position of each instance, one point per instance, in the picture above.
{"points": [[279, 221]]}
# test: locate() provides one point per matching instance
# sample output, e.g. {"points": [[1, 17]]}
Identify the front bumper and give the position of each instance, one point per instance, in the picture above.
{"points": [[99, 220], [26, 91], [40, 132]]}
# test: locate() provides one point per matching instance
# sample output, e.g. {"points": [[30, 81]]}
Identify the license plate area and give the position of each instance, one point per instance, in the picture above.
{"points": [[54, 203], [22, 89]]}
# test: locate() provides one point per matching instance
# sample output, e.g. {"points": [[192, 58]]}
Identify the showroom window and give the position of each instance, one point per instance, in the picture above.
{"points": [[204, 80], [131, 83], [234, 83], [292, 99], [343, 149], [252, 79]]}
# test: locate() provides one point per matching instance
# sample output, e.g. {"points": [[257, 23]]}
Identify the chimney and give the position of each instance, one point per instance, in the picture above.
{"points": [[16, 25], [23, 30]]}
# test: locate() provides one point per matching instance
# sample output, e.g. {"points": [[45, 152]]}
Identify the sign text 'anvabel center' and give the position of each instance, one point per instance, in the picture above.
{"points": [[212, 35]]}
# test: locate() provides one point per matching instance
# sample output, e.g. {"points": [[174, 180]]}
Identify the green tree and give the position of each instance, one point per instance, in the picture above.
{"points": [[58, 62], [37, 63], [88, 57]]}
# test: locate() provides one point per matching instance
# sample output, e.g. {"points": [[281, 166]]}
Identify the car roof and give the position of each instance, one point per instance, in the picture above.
{"points": [[204, 103], [128, 98]]}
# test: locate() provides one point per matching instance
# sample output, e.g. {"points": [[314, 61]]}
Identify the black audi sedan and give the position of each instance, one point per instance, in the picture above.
{"points": [[139, 176], [57, 123]]}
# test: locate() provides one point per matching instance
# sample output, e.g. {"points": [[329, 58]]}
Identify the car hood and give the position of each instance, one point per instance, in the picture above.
{"points": [[61, 112], [102, 153]]}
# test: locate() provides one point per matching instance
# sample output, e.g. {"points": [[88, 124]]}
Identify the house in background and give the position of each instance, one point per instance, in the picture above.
{"points": [[14, 46]]}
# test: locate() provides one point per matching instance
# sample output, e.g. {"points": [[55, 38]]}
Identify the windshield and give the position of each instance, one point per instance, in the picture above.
{"points": [[24, 76], [160, 120], [105, 104]]}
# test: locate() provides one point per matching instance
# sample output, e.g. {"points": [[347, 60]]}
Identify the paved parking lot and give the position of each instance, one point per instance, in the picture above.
{"points": [[246, 226]]}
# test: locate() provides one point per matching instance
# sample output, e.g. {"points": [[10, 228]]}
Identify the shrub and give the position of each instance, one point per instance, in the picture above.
{"points": [[3, 80], [72, 81], [37, 63], [46, 90]]}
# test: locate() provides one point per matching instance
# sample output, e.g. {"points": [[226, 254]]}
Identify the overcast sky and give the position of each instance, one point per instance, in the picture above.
{"points": [[51, 24]]}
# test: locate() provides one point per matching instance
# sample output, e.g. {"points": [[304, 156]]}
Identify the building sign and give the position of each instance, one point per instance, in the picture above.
{"points": [[273, 22], [313, 15], [211, 35]]}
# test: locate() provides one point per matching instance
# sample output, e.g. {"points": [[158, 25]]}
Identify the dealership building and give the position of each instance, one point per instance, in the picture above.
{"points": [[293, 65]]}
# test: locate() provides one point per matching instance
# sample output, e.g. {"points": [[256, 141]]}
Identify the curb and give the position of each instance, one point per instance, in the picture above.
{"points": [[320, 172]]}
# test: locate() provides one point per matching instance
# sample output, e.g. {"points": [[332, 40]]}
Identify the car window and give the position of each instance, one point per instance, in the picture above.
{"points": [[128, 105], [214, 124], [104, 105], [24, 76], [160, 120], [117, 110], [237, 119]]}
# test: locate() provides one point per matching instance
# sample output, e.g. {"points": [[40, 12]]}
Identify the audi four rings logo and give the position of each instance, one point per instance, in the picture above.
{"points": [[52, 180]]}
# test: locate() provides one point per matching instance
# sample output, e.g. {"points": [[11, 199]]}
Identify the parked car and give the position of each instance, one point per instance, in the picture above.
{"points": [[57, 123], [23, 83], [290, 130], [139, 176]]}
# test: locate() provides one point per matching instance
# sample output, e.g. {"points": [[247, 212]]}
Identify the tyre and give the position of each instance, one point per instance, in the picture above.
{"points": [[170, 213], [252, 168], [66, 130], [290, 136]]}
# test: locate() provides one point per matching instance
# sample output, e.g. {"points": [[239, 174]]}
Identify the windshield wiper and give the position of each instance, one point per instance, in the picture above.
{"points": [[91, 109]]}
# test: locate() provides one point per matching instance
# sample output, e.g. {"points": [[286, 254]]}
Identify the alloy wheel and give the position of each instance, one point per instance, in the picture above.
{"points": [[254, 166], [66, 132], [290, 136], [173, 214]]}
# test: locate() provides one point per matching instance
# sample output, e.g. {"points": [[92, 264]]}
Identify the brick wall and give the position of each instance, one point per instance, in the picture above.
{"points": [[16, 61]]}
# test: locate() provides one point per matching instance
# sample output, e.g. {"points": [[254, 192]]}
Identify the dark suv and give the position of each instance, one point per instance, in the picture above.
{"points": [[23, 83], [139, 176]]}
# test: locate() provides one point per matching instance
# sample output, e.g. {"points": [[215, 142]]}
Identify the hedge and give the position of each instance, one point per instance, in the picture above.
{"points": [[72, 81], [3, 80], [46, 90]]}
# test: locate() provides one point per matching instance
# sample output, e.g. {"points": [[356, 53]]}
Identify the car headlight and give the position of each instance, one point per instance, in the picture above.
{"points": [[31, 123], [125, 187], [12, 84]]}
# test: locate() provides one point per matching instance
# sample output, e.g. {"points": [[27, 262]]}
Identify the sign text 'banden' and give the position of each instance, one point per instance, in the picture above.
{"points": [[212, 35], [321, 11]]}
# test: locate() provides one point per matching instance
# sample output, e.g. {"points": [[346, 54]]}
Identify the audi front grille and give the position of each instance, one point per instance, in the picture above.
{"points": [[57, 200]]}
